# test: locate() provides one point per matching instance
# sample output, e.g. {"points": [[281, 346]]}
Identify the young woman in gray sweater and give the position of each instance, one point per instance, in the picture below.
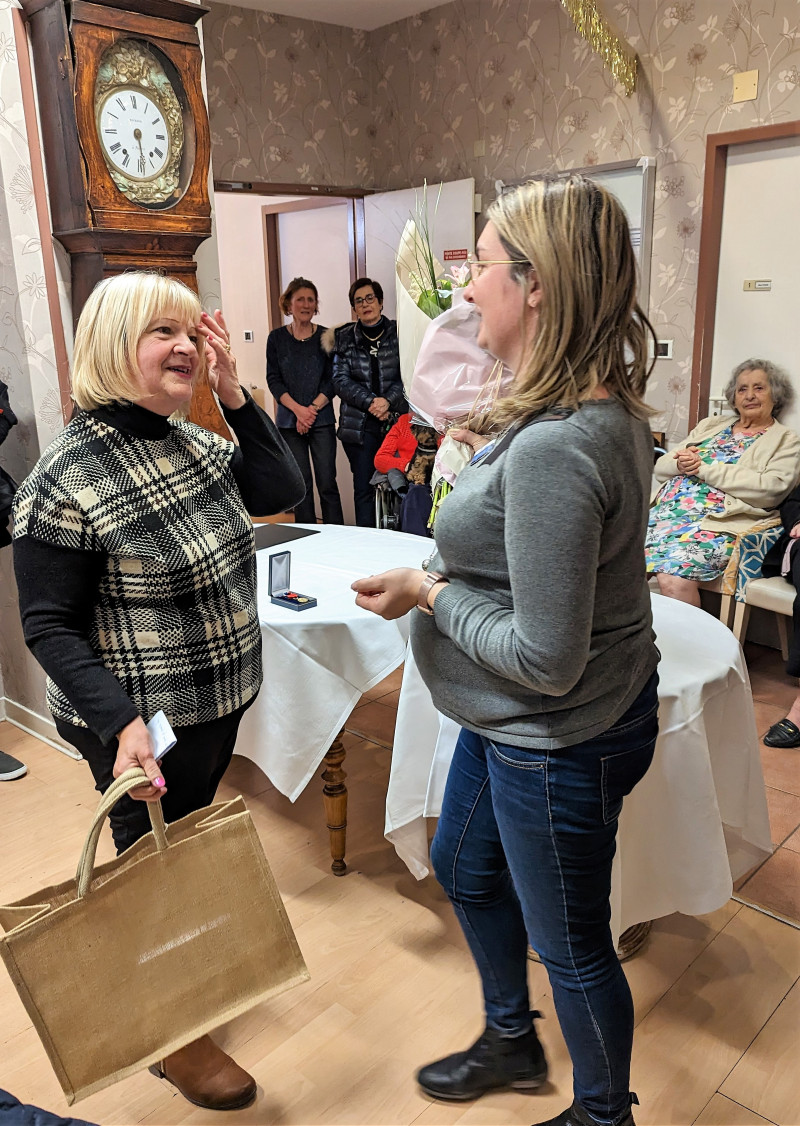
{"points": [[533, 632]]}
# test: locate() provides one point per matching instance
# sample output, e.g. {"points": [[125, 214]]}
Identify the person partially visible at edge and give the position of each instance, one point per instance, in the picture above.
{"points": [[10, 767], [299, 376], [727, 476], [134, 558], [533, 631], [366, 376], [783, 558]]}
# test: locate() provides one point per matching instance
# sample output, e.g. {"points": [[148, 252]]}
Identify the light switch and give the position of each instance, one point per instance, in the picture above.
{"points": [[745, 86], [479, 148], [249, 336], [757, 285]]}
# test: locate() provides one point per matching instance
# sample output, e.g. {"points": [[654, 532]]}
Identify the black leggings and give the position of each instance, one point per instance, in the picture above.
{"points": [[192, 770]]}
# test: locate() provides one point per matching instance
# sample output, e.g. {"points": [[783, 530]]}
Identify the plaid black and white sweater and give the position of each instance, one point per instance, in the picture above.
{"points": [[135, 564]]}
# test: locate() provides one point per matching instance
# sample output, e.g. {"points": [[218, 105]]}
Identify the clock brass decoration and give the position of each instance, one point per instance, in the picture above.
{"points": [[152, 210], [139, 123]]}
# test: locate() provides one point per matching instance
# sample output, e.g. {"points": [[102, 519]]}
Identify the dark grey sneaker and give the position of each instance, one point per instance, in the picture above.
{"points": [[11, 768], [492, 1062], [577, 1116]]}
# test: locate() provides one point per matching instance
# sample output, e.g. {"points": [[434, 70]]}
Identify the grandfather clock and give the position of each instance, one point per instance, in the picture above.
{"points": [[126, 141]]}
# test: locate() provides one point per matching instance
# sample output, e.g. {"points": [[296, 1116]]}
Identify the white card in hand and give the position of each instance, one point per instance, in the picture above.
{"points": [[162, 735]]}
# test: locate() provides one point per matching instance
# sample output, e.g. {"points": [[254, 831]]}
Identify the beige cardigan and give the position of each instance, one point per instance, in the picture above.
{"points": [[754, 486]]}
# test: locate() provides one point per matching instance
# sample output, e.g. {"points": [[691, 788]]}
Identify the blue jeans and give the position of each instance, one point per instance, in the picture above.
{"points": [[523, 849]]}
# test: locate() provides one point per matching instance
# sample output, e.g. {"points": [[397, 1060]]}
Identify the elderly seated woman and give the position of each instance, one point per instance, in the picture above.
{"points": [[727, 476]]}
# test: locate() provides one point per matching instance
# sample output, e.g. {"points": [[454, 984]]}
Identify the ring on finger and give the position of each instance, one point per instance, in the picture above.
{"points": [[227, 348]]}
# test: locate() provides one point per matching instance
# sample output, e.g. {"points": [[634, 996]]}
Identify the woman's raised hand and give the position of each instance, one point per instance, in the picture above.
{"points": [[222, 364], [391, 594]]}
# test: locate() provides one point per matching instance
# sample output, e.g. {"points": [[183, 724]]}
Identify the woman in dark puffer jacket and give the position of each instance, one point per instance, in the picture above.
{"points": [[366, 375]]}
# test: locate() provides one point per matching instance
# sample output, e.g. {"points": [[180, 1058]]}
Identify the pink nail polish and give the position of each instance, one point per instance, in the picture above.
{"points": [[159, 782]]}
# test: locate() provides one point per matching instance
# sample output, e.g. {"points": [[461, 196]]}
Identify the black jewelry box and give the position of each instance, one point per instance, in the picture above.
{"points": [[280, 569]]}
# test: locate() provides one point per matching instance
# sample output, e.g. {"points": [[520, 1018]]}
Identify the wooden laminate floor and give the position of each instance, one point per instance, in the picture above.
{"points": [[717, 998]]}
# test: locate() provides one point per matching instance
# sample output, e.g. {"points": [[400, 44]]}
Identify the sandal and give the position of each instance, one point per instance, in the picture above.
{"points": [[784, 733]]}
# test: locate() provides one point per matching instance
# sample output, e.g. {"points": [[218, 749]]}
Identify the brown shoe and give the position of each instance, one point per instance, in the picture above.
{"points": [[207, 1076]]}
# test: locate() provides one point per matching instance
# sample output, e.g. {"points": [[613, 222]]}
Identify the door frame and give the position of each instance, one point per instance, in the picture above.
{"points": [[718, 146], [326, 196]]}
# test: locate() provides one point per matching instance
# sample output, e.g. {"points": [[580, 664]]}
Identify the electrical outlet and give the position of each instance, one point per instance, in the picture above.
{"points": [[664, 349], [249, 336]]}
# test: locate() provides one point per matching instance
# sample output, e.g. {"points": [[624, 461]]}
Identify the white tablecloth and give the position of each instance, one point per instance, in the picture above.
{"points": [[696, 822], [318, 662]]}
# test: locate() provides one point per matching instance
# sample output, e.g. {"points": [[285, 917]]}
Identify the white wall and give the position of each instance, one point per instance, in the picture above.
{"points": [[315, 245], [760, 239]]}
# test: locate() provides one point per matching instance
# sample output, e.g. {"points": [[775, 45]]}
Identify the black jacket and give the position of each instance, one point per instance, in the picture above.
{"points": [[790, 515], [353, 380], [8, 485]]}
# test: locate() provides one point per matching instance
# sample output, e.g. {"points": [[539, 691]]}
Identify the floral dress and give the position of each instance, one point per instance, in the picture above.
{"points": [[675, 542]]}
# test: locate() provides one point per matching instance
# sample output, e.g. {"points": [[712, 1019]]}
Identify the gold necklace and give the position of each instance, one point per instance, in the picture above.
{"points": [[301, 339]]}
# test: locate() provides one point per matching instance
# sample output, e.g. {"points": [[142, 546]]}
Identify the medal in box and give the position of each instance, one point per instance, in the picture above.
{"points": [[280, 592]]}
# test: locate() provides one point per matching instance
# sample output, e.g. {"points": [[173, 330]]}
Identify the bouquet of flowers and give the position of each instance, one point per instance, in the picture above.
{"points": [[448, 377]]}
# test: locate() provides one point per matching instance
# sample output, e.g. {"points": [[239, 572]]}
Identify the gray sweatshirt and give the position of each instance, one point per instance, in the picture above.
{"points": [[543, 636]]}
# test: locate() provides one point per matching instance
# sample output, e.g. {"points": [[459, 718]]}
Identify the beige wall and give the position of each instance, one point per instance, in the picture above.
{"points": [[516, 77]]}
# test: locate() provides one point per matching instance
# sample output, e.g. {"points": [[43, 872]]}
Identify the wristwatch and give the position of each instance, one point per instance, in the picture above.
{"points": [[425, 587]]}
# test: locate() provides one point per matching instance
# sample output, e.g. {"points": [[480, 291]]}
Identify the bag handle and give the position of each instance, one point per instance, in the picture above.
{"points": [[118, 788]]}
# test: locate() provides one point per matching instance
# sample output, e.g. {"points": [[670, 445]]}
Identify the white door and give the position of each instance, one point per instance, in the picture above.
{"points": [[451, 220], [760, 242]]}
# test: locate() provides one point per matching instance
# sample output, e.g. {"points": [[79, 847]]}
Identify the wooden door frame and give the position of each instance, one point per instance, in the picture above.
{"points": [[318, 195], [717, 148]]}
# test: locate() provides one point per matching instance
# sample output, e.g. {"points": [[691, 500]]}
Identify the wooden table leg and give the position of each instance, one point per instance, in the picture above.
{"points": [[334, 797]]}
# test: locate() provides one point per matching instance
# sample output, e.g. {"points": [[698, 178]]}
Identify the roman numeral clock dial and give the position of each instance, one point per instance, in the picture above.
{"points": [[139, 124], [134, 134]]}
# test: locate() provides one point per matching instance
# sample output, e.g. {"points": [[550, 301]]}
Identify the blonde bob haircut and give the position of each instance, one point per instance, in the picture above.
{"points": [[572, 236], [111, 324]]}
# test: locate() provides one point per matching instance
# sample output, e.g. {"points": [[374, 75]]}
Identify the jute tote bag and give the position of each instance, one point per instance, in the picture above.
{"points": [[134, 959]]}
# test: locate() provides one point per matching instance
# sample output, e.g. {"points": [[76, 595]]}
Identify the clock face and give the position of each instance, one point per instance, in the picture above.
{"points": [[140, 124], [134, 133]]}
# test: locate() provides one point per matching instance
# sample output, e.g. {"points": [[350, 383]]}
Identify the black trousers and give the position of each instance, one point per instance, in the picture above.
{"points": [[362, 463], [793, 664], [192, 770], [317, 446]]}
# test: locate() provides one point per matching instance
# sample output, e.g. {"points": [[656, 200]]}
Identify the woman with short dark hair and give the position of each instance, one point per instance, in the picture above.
{"points": [[299, 377], [366, 375]]}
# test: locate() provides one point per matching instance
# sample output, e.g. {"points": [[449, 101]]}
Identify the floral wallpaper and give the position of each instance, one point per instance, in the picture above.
{"points": [[413, 99], [289, 100], [27, 358]]}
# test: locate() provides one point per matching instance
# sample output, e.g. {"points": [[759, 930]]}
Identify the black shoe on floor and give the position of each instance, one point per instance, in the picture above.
{"points": [[11, 768], [577, 1116], [784, 733], [493, 1061]]}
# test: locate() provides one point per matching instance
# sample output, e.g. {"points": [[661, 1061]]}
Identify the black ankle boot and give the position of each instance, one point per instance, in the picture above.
{"points": [[493, 1061], [577, 1116]]}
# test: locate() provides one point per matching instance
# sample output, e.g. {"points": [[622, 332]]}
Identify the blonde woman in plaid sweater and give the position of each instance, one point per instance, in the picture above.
{"points": [[134, 557]]}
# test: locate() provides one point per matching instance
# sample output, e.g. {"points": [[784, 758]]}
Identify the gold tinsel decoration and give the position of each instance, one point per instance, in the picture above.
{"points": [[596, 30]]}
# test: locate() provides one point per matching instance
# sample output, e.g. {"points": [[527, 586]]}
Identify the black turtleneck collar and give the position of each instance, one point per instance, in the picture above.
{"points": [[373, 330], [133, 419]]}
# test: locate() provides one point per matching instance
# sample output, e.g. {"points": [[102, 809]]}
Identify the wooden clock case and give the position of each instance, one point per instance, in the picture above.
{"points": [[104, 232]]}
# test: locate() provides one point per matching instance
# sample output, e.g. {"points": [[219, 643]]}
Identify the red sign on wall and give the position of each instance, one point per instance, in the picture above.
{"points": [[455, 255]]}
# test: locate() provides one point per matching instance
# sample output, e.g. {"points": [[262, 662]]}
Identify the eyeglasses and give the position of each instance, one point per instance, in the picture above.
{"points": [[368, 300], [478, 265]]}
